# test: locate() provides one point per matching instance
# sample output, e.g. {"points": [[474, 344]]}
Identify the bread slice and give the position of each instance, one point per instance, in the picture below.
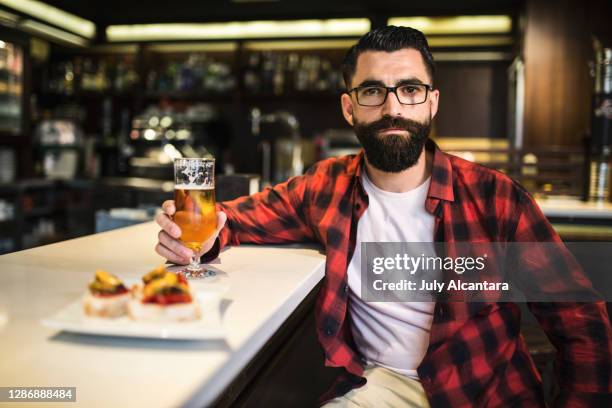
{"points": [[106, 306], [152, 312]]}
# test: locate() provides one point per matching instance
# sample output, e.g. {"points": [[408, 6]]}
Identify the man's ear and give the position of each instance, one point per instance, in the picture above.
{"points": [[434, 98], [347, 108]]}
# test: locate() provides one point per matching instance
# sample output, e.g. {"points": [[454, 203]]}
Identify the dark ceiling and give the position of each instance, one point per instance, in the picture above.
{"points": [[106, 12]]}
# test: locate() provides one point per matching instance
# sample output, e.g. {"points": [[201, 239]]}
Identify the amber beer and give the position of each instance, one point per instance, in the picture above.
{"points": [[195, 215]]}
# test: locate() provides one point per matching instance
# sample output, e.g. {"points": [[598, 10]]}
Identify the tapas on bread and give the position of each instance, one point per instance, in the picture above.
{"points": [[156, 273], [106, 296], [165, 296], [160, 305]]}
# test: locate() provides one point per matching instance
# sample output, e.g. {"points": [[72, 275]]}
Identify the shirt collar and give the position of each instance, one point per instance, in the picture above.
{"points": [[441, 174], [441, 186]]}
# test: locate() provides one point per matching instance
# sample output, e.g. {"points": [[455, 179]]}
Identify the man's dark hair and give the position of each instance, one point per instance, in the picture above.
{"points": [[388, 39]]}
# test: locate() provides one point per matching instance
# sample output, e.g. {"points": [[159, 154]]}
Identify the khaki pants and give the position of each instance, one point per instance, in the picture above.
{"points": [[385, 388]]}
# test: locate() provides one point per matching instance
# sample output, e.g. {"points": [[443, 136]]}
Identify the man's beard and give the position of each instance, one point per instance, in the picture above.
{"points": [[392, 152]]}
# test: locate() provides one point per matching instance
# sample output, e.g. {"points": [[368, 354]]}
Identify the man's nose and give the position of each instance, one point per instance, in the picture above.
{"points": [[392, 105]]}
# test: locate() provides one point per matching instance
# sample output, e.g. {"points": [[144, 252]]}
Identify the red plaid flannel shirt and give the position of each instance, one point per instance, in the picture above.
{"points": [[476, 356]]}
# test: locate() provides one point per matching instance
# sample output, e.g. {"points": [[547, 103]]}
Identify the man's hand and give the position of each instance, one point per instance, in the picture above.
{"points": [[168, 244]]}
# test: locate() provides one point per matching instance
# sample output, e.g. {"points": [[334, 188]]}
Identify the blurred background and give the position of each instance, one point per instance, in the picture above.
{"points": [[98, 97]]}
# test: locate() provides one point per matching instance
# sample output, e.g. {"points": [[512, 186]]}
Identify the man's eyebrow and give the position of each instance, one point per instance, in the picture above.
{"points": [[409, 81], [405, 81], [371, 82]]}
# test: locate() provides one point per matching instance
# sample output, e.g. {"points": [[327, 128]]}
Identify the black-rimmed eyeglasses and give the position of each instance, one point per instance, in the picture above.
{"points": [[375, 95]]}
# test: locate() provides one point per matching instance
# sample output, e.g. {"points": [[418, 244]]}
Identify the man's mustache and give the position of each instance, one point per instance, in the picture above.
{"points": [[388, 122]]}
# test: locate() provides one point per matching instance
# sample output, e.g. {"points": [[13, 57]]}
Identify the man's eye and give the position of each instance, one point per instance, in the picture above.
{"points": [[371, 91], [409, 89]]}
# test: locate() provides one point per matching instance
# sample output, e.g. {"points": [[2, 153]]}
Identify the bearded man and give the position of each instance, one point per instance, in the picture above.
{"points": [[402, 188]]}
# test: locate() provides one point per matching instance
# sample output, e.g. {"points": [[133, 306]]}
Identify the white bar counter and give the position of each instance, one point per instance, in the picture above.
{"points": [[577, 219], [265, 285], [571, 207]]}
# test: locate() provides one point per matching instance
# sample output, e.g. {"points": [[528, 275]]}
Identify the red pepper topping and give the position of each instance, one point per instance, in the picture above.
{"points": [[168, 298]]}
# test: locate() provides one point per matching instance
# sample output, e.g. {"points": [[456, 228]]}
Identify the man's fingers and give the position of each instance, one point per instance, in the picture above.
{"points": [[174, 245], [168, 225], [169, 255], [169, 207], [172, 249], [221, 219]]}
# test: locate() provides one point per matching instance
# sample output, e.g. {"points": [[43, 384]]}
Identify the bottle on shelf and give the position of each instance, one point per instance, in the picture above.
{"points": [[196, 73], [282, 73], [600, 160]]}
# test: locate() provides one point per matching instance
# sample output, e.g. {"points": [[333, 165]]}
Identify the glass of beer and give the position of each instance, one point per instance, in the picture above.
{"points": [[194, 198]]}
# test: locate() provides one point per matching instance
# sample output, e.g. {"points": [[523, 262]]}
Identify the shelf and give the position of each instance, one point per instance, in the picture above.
{"points": [[190, 95], [567, 165], [207, 96], [8, 224], [294, 97], [569, 177], [40, 212], [35, 183], [12, 138], [8, 189], [583, 232], [88, 95], [66, 204], [44, 240]]}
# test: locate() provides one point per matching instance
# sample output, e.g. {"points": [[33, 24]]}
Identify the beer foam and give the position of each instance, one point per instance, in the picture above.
{"points": [[192, 187]]}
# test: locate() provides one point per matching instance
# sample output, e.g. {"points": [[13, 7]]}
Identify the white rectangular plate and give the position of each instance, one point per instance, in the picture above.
{"points": [[73, 319]]}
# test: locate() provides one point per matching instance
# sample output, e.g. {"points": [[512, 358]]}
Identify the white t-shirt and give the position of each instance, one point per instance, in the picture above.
{"points": [[394, 335]]}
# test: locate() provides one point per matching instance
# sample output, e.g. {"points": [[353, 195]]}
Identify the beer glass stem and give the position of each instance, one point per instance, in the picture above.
{"points": [[194, 265], [196, 270]]}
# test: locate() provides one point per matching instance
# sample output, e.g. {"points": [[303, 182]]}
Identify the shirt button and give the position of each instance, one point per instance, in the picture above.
{"points": [[358, 206], [329, 331]]}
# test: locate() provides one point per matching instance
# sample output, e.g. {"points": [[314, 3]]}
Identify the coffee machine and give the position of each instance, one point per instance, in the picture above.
{"points": [[159, 135], [59, 143], [278, 134]]}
